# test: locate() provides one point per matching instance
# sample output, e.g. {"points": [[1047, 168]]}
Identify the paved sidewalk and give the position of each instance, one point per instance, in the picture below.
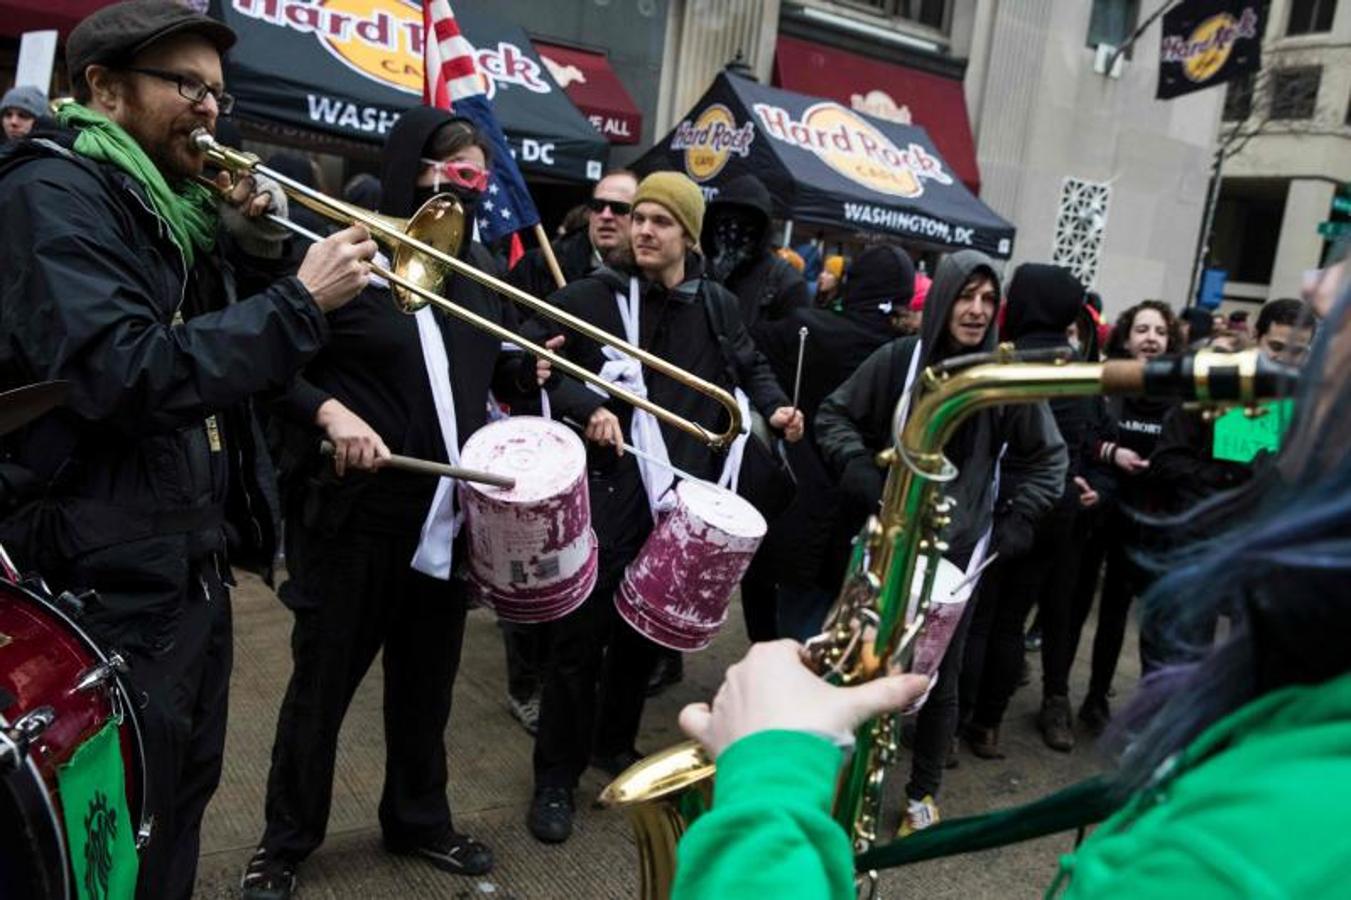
{"points": [[490, 784]]}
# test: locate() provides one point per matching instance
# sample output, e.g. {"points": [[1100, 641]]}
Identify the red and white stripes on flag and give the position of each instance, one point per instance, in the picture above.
{"points": [[449, 70]]}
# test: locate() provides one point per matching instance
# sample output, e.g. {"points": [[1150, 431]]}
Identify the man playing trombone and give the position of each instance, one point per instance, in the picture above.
{"points": [[116, 281]]}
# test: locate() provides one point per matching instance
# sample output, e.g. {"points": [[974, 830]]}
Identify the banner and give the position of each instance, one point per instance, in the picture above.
{"points": [[347, 68], [1208, 42], [827, 164], [98, 824]]}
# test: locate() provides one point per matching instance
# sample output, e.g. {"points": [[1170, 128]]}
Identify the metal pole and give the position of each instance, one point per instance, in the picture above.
{"points": [[787, 232], [1207, 223]]}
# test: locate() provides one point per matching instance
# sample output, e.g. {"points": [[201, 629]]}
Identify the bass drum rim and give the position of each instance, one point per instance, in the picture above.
{"points": [[24, 798]]}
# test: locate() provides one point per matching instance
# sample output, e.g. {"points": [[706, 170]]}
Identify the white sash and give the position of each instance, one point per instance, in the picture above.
{"points": [[435, 547], [644, 428]]}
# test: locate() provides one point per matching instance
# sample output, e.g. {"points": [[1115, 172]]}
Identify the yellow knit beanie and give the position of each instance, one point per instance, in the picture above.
{"points": [[680, 196]]}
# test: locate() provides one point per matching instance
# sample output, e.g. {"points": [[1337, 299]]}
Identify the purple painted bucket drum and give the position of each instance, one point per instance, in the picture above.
{"points": [[677, 590], [943, 615], [532, 551]]}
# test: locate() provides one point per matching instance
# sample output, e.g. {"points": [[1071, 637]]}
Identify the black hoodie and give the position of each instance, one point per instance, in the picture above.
{"points": [[768, 287], [856, 419], [1043, 302], [373, 364]]}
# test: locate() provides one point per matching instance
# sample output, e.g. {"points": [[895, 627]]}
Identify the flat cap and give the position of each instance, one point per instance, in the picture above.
{"points": [[115, 34]]}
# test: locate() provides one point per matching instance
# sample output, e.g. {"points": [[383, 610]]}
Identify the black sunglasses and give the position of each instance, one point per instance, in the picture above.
{"points": [[190, 88], [617, 207]]}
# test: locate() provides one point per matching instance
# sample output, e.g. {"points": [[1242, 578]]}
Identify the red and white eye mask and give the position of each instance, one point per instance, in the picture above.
{"points": [[458, 173]]}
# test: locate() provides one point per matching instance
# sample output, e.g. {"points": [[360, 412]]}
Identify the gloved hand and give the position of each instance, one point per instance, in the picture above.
{"points": [[1014, 534], [862, 482], [243, 211]]}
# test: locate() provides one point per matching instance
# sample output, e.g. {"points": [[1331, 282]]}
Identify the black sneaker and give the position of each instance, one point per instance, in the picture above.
{"points": [[615, 764], [456, 853], [550, 818], [267, 879]]}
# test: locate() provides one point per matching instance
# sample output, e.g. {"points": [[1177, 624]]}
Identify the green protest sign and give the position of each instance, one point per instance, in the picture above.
{"points": [[98, 823], [1239, 437]]}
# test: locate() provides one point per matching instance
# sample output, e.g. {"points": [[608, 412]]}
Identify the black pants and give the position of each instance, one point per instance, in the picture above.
{"points": [[526, 646], [353, 593], [186, 691], [937, 721], [759, 597], [1044, 578], [1122, 579], [595, 684]]}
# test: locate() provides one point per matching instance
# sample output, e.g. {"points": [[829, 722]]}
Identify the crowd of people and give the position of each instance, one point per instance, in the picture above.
{"points": [[182, 319]]}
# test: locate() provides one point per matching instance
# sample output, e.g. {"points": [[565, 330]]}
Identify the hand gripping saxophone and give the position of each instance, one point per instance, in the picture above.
{"points": [[873, 626]]}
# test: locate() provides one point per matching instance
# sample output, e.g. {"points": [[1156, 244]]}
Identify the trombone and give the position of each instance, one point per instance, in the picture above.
{"points": [[416, 262]]}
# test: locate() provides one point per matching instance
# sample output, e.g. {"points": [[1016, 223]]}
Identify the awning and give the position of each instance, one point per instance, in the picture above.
{"points": [[824, 163], [886, 90], [348, 69], [592, 84], [18, 16]]}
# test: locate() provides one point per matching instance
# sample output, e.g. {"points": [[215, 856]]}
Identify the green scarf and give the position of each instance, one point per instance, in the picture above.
{"points": [[190, 211]]}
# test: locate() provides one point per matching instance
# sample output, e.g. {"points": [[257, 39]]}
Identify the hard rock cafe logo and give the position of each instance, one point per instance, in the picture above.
{"points": [[710, 140], [853, 147], [382, 40], [1205, 51]]}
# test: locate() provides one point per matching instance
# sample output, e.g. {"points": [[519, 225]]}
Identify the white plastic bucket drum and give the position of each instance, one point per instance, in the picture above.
{"points": [[532, 551], [942, 616], [677, 590]]}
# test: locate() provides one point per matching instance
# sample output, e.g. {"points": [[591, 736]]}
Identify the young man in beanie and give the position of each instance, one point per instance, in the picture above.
{"points": [[20, 110], [598, 666], [125, 293]]}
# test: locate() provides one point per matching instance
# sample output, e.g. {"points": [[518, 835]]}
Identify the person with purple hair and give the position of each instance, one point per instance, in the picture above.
{"points": [[1234, 758]]}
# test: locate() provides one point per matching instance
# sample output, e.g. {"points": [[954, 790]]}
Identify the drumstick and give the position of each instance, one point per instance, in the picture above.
{"points": [[801, 351], [976, 574], [428, 467], [664, 463]]}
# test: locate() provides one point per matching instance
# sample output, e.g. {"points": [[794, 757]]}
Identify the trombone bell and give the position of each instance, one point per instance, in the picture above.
{"points": [[439, 223]]}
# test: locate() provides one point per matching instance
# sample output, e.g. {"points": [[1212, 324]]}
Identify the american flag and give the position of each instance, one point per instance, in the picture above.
{"points": [[451, 81]]}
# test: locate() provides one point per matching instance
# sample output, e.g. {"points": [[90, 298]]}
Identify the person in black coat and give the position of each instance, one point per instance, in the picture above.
{"points": [[737, 243], [585, 249], [126, 279], [362, 577], [1043, 303], [809, 545], [598, 666]]}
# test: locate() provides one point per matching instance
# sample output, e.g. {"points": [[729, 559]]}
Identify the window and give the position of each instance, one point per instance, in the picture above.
{"points": [[1294, 92], [1311, 16], [1238, 98], [1248, 217], [933, 13], [1112, 21]]}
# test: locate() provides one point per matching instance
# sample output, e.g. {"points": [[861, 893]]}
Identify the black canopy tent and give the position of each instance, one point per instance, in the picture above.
{"points": [[829, 165], [341, 72]]}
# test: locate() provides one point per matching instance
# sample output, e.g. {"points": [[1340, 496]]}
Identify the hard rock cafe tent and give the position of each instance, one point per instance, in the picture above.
{"points": [[828, 165], [343, 71]]}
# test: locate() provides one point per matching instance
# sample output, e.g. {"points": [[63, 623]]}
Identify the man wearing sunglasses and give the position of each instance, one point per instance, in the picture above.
{"points": [[134, 288], [581, 252]]}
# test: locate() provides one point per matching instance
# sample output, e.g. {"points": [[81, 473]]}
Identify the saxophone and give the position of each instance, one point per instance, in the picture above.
{"points": [[872, 627]]}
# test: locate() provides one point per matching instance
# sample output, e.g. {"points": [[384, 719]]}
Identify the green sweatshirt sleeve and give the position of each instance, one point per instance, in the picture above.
{"points": [[769, 833]]}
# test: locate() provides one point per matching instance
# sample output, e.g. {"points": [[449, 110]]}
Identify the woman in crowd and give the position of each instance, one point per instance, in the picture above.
{"points": [[1222, 743], [1144, 331]]}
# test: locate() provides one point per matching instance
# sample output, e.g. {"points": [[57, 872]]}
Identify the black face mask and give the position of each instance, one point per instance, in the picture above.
{"points": [[468, 199], [735, 235]]}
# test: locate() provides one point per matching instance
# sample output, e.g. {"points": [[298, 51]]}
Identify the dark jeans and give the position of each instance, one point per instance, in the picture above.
{"points": [[355, 593], [525, 645], [595, 684], [1045, 577], [183, 723], [759, 597], [937, 721], [1122, 579]]}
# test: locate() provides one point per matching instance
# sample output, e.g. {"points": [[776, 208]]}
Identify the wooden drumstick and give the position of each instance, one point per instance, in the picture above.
{"points": [[428, 467], [801, 352]]}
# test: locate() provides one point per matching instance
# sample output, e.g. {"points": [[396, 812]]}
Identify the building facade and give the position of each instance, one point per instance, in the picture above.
{"points": [[1286, 137]]}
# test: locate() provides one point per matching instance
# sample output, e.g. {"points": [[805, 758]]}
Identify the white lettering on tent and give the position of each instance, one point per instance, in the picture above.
{"points": [[344, 114], [916, 224]]}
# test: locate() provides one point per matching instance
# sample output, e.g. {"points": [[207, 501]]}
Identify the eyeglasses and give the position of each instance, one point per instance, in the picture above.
{"points": [[461, 173], [190, 88], [617, 207]]}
